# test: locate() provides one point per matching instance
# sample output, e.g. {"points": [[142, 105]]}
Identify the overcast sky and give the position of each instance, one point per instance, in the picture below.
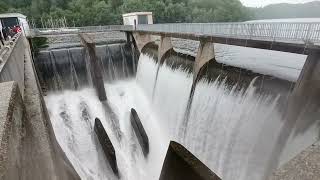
{"points": [[261, 3]]}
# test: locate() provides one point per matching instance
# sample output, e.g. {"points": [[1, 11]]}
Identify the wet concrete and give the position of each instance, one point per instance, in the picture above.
{"points": [[180, 164], [29, 149]]}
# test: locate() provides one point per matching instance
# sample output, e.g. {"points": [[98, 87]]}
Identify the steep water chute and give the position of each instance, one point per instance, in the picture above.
{"points": [[66, 69], [232, 127], [225, 122]]}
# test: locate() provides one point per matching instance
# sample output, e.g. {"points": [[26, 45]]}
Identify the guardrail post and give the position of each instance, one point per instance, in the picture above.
{"points": [[94, 67], [308, 33]]}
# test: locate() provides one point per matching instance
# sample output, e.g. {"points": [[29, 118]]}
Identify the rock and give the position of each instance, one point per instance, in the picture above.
{"points": [[106, 145], [140, 132]]}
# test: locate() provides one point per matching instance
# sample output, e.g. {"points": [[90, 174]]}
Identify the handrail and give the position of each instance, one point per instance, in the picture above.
{"points": [[297, 32], [302, 32], [76, 30]]}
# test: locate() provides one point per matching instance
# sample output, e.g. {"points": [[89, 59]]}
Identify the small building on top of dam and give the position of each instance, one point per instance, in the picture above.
{"points": [[9, 20], [136, 18]]}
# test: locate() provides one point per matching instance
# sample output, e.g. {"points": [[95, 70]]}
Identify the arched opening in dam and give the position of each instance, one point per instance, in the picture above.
{"points": [[235, 119]]}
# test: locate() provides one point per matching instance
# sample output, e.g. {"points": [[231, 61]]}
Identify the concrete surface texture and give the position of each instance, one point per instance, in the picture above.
{"points": [[43, 157], [305, 166], [180, 164], [11, 130], [12, 66], [29, 149], [94, 67], [59, 41]]}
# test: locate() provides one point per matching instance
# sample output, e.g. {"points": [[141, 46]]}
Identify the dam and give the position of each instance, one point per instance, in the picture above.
{"points": [[235, 107]]}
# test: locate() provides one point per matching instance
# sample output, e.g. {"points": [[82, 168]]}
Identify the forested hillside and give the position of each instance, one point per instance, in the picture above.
{"points": [[283, 10], [103, 12]]}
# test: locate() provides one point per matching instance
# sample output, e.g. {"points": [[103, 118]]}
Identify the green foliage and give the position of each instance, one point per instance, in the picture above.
{"points": [[283, 10], [104, 12], [38, 43]]}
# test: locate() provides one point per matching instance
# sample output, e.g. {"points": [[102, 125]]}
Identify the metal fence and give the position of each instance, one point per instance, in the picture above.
{"points": [[302, 32], [75, 30], [291, 32]]}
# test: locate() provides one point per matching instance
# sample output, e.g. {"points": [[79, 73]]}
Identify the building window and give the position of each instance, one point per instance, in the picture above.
{"points": [[142, 19], [10, 22]]}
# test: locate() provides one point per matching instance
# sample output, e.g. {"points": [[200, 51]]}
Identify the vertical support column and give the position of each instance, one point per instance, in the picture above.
{"points": [[141, 40], [204, 55], [164, 47], [134, 49], [94, 67], [302, 108]]}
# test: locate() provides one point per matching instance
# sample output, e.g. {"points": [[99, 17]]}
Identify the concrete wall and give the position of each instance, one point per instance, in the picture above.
{"points": [[11, 115], [180, 164], [29, 149], [12, 66], [306, 165]]}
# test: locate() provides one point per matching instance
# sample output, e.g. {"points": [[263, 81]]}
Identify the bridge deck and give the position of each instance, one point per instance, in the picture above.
{"points": [[291, 47], [287, 37]]}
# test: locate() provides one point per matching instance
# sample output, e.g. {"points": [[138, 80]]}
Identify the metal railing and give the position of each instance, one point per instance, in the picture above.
{"points": [[9, 44], [290, 32], [297, 32], [75, 30]]}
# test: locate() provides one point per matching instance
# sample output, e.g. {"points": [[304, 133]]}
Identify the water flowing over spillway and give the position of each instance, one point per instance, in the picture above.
{"points": [[231, 130]]}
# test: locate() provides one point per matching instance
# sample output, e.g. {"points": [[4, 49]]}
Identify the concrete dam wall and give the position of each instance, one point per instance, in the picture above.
{"points": [[237, 116], [29, 149], [65, 68]]}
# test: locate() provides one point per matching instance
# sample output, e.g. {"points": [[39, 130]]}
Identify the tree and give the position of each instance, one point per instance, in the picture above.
{"points": [[103, 12]]}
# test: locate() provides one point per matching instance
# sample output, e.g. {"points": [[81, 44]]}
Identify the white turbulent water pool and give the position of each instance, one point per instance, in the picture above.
{"points": [[233, 132]]}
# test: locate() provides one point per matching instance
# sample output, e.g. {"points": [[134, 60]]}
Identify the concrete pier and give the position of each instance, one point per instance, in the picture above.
{"points": [[180, 164], [106, 145], [164, 48], [304, 166], [204, 55], [140, 132], [94, 67], [141, 40], [302, 108]]}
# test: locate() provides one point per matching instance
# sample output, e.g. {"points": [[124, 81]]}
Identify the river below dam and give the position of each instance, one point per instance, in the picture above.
{"points": [[232, 129]]}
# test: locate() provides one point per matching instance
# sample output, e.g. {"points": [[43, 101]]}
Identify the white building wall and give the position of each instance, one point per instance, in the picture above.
{"points": [[150, 19], [128, 19], [24, 26]]}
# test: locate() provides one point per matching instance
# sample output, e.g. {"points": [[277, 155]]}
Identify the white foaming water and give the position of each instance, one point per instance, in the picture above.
{"points": [[72, 114], [223, 130], [231, 131]]}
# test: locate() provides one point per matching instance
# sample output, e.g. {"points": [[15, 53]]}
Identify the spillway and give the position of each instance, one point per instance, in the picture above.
{"points": [[231, 128]]}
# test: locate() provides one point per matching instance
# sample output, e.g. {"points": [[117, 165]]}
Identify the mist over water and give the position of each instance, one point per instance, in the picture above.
{"points": [[233, 131]]}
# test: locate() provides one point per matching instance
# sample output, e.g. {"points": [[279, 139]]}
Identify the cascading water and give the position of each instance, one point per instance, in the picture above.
{"points": [[62, 69], [231, 130]]}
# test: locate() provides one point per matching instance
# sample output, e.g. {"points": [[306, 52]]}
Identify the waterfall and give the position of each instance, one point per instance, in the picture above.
{"points": [[65, 69], [232, 128]]}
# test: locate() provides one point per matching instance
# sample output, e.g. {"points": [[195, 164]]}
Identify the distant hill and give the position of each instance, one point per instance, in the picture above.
{"points": [[284, 10]]}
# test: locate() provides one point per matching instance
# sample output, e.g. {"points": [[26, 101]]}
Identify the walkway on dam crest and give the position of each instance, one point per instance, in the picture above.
{"points": [[287, 37]]}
